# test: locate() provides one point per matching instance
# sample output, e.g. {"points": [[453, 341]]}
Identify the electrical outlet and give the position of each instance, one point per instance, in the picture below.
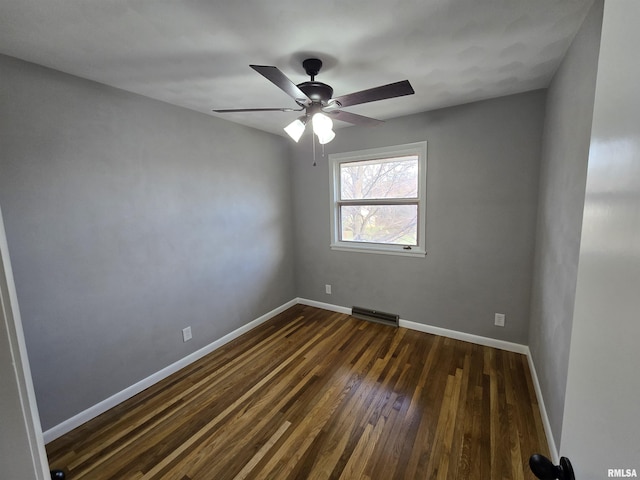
{"points": [[499, 320], [327, 289], [186, 334]]}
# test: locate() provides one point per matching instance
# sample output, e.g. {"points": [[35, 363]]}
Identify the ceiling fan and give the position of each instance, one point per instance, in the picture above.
{"points": [[315, 98]]}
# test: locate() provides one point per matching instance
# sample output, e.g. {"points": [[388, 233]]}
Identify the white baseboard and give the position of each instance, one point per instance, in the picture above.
{"points": [[324, 306], [112, 401], [421, 327], [465, 337], [543, 411]]}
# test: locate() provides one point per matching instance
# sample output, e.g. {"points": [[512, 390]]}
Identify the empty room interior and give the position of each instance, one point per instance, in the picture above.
{"points": [[431, 273]]}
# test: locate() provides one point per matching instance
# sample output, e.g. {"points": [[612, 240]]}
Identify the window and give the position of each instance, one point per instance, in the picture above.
{"points": [[378, 200]]}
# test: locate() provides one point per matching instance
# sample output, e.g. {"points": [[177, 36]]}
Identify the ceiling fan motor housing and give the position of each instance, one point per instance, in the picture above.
{"points": [[318, 92]]}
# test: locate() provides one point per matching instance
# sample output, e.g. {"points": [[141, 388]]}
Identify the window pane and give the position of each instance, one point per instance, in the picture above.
{"points": [[395, 224], [384, 178]]}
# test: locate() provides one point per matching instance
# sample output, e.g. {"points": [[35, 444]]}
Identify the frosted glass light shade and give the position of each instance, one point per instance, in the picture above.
{"points": [[326, 137], [295, 129], [321, 123], [322, 127]]}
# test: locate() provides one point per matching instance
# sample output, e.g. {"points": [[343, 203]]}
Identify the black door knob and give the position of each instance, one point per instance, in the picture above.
{"points": [[544, 469]]}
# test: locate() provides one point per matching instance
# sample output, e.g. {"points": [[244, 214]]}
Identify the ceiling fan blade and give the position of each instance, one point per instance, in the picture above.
{"points": [[383, 92], [354, 118], [281, 81], [231, 110]]}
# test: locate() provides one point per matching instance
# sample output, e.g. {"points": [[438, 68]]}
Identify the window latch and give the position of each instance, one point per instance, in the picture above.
{"points": [[407, 247]]}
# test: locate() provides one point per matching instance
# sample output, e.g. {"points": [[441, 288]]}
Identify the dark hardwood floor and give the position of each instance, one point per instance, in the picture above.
{"points": [[314, 394]]}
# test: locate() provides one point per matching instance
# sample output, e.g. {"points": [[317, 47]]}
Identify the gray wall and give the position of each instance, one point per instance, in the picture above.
{"points": [[563, 174], [128, 219], [482, 185], [601, 428]]}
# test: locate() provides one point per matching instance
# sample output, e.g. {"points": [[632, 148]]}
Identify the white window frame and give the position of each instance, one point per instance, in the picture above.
{"points": [[336, 159]]}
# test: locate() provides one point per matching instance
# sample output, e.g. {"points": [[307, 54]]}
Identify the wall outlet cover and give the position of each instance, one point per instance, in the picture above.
{"points": [[186, 334]]}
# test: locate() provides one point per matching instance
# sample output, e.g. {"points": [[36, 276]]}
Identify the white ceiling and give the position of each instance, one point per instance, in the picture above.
{"points": [[196, 53]]}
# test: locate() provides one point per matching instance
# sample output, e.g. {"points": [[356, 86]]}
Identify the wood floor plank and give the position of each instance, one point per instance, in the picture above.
{"points": [[262, 452], [313, 394]]}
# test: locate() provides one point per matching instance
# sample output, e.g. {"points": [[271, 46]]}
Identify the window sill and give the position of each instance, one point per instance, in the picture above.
{"points": [[415, 252]]}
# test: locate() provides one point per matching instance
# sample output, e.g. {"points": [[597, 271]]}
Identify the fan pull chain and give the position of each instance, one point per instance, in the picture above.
{"points": [[313, 141]]}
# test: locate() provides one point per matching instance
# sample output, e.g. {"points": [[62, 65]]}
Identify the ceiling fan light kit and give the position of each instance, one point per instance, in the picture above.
{"points": [[313, 97]]}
